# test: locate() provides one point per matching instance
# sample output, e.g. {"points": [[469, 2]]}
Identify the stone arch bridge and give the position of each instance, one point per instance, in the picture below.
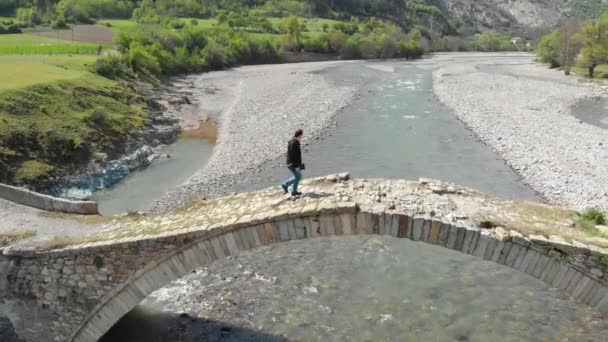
{"points": [[89, 283]]}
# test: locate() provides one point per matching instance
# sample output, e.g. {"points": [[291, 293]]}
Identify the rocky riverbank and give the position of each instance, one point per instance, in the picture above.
{"points": [[162, 127], [524, 112]]}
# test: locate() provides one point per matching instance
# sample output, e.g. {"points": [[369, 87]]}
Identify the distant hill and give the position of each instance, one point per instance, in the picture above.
{"points": [[517, 15], [441, 16]]}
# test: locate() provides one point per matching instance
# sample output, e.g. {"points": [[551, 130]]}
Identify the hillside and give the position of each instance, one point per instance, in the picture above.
{"points": [[517, 15], [441, 16]]}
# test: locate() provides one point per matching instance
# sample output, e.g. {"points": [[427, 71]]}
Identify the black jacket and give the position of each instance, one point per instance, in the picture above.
{"points": [[294, 155]]}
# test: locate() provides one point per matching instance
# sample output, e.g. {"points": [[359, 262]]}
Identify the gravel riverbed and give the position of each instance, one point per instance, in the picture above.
{"points": [[521, 110], [524, 112], [264, 106]]}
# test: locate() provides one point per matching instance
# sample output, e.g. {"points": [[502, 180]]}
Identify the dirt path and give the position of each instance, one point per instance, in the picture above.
{"points": [[21, 220]]}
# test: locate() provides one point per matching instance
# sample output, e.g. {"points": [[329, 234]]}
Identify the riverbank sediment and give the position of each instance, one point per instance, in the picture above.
{"points": [[524, 112]]}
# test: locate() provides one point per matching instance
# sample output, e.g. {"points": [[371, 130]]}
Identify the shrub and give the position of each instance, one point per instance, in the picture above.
{"points": [[177, 24], [493, 41], [194, 39], [112, 66], [604, 260], [28, 16], [214, 56], [263, 51], [389, 48], [351, 48], [186, 62], [140, 60], [168, 39], [337, 40], [10, 29], [146, 13], [78, 11], [238, 50], [547, 50], [166, 60], [59, 24], [369, 48], [33, 171], [318, 44], [99, 118], [594, 215], [587, 226]]}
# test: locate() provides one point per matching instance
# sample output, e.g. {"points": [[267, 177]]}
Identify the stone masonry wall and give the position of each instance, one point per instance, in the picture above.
{"points": [[91, 286], [46, 202]]}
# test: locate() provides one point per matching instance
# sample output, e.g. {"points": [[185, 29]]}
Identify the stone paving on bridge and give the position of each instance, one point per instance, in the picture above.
{"points": [[90, 282]]}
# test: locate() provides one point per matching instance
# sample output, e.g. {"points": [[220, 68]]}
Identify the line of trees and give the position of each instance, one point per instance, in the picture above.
{"points": [[585, 44], [371, 38], [153, 51], [405, 13]]}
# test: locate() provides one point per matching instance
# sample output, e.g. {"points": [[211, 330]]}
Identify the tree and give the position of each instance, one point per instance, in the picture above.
{"points": [[594, 41], [493, 41], [337, 40], [146, 13], [293, 35], [569, 45], [547, 50], [28, 16]]}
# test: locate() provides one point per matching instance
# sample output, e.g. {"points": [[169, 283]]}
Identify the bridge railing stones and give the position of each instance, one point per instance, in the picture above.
{"points": [[92, 286]]}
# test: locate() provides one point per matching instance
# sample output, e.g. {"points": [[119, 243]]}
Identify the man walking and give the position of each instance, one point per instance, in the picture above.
{"points": [[294, 163]]}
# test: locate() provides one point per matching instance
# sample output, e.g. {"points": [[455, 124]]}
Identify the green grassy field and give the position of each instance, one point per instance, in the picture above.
{"points": [[313, 25], [21, 71], [31, 44], [118, 25], [55, 113]]}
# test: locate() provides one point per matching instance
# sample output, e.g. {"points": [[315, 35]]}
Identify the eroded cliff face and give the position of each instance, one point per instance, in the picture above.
{"points": [[507, 15]]}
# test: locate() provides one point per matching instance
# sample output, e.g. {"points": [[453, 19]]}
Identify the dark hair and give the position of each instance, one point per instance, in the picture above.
{"points": [[298, 133]]}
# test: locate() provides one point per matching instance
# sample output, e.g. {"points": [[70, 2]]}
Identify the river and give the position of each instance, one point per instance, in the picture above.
{"points": [[370, 288], [142, 187], [358, 289], [398, 130]]}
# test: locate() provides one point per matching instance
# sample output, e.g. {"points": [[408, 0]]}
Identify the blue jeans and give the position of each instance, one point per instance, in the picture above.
{"points": [[297, 175]]}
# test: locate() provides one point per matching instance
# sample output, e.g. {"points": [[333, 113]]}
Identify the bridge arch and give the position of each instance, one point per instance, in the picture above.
{"points": [[512, 250]]}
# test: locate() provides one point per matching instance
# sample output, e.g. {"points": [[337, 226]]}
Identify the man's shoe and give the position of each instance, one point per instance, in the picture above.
{"points": [[296, 194], [284, 188]]}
